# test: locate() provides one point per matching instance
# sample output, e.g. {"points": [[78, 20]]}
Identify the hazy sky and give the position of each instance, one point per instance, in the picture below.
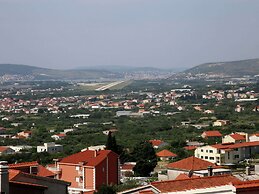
{"points": [[157, 33]]}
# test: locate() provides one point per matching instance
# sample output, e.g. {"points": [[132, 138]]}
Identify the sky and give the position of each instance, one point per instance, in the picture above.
{"points": [[66, 34]]}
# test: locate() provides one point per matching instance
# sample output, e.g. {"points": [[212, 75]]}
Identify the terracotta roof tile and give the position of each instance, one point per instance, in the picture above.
{"points": [[236, 145], [189, 148], [237, 136], [127, 166], [156, 142], [165, 153], [3, 148], [42, 171], [90, 157], [212, 134], [194, 183], [23, 164], [185, 176], [191, 163], [246, 184], [13, 174]]}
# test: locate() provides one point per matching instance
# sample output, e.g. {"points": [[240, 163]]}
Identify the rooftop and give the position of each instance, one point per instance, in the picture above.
{"points": [[191, 163]]}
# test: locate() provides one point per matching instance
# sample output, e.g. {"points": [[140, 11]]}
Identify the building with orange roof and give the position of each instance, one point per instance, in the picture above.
{"points": [[17, 182], [32, 168], [166, 155], [90, 169], [126, 169], [6, 150], [223, 184], [156, 143], [235, 138], [228, 153], [193, 166], [211, 134]]}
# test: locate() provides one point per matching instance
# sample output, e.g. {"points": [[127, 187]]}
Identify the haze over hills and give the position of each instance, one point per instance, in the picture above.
{"points": [[25, 72], [232, 68]]}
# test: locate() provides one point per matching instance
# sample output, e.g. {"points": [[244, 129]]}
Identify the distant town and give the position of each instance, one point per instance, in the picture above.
{"points": [[182, 133]]}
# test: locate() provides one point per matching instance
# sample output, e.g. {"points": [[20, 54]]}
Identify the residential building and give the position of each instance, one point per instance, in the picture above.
{"points": [[220, 123], [15, 181], [224, 184], [165, 155], [32, 168], [254, 137], [235, 138], [50, 148], [156, 143], [6, 150], [88, 170], [227, 154], [193, 166], [211, 134], [126, 169], [25, 134], [59, 136]]}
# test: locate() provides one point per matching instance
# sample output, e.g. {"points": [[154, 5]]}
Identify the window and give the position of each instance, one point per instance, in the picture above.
{"points": [[201, 150], [236, 156], [201, 157], [228, 155], [206, 151], [211, 158], [236, 149], [77, 179], [211, 151], [77, 167], [206, 157]]}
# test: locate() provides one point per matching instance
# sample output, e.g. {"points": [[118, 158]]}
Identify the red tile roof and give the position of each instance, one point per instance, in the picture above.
{"points": [[23, 164], [246, 184], [3, 148], [185, 176], [212, 134], [189, 148], [90, 157], [156, 142], [165, 153], [13, 174], [191, 163], [237, 136], [42, 171], [127, 167], [230, 146], [194, 183]]}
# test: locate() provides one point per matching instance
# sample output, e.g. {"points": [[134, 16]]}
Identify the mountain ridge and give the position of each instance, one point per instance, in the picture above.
{"points": [[232, 68]]}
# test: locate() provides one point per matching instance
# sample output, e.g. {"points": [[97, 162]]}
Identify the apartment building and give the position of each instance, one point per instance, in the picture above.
{"points": [[227, 154], [88, 170]]}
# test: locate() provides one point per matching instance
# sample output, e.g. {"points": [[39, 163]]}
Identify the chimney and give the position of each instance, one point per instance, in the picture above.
{"points": [[248, 172], [210, 170], [4, 178]]}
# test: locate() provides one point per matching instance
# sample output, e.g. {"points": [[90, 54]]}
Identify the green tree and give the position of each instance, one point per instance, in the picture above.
{"points": [[111, 143], [145, 157]]}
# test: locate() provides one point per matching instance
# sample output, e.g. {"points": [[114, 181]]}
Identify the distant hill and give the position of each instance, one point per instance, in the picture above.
{"points": [[37, 73], [232, 68], [123, 69]]}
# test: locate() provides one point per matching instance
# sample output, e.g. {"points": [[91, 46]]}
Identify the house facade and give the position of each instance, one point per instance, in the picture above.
{"points": [[227, 154], [50, 148], [90, 169]]}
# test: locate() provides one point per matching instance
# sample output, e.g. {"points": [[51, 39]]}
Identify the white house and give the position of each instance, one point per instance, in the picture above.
{"points": [[50, 148]]}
